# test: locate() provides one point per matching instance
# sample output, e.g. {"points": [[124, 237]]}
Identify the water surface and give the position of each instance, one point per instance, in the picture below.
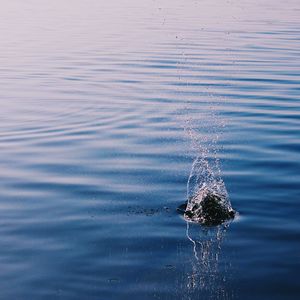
{"points": [[104, 107]]}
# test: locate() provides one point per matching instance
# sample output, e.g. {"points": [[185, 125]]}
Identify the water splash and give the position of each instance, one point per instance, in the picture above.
{"points": [[202, 176], [207, 198], [208, 272], [208, 202]]}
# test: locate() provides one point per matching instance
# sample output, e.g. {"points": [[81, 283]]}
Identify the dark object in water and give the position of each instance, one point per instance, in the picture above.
{"points": [[211, 210]]}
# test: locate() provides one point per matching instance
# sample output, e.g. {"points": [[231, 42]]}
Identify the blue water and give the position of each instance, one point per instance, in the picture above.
{"points": [[105, 106]]}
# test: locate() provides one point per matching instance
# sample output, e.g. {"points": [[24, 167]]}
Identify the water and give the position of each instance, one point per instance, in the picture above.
{"points": [[104, 107]]}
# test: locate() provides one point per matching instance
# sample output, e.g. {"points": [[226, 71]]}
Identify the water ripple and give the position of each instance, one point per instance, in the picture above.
{"points": [[104, 107]]}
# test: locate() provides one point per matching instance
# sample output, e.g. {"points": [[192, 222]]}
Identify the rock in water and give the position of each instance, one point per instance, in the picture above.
{"points": [[207, 208]]}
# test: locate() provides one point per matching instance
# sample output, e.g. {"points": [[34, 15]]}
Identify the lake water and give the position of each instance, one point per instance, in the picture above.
{"points": [[104, 107]]}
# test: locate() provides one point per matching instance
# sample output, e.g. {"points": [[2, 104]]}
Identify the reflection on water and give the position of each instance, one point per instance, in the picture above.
{"points": [[206, 276]]}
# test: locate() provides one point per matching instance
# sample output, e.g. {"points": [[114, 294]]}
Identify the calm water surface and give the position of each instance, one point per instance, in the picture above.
{"points": [[104, 107]]}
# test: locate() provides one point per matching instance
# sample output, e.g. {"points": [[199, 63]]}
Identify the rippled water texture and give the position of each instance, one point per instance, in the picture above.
{"points": [[104, 107]]}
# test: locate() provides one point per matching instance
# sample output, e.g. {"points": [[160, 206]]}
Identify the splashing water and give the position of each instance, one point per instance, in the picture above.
{"points": [[208, 272], [203, 177], [208, 202], [207, 198]]}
